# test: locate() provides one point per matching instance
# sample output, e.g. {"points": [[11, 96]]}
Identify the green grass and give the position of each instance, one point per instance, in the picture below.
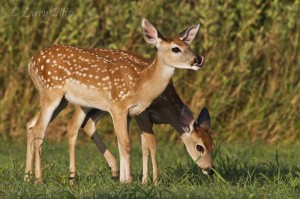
{"points": [[249, 170], [250, 82]]}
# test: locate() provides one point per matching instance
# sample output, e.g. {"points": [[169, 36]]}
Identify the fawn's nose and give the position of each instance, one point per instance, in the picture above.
{"points": [[198, 61], [211, 172]]}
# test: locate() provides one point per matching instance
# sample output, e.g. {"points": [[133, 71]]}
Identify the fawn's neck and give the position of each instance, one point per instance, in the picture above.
{"points": [[155, 78]]}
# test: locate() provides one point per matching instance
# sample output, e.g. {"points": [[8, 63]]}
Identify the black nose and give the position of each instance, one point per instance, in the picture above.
{"points": [[198, 60], [211, 172]]}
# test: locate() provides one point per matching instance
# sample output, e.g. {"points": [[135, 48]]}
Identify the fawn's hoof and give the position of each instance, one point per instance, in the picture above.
{"points": [[72, 180], [27, 178], [39, 181]]}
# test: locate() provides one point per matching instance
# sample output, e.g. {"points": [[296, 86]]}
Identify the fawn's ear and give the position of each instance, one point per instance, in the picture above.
{"points": [[204, 119], [150, 33], [187, 119], [189, 34]]}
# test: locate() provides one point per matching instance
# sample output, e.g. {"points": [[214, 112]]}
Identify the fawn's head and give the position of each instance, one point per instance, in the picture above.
{"points": [[174, 52], [196, 138]]}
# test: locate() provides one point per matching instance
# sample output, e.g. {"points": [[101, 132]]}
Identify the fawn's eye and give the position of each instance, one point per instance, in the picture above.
{"points": [[176, 50], [200, 148]]}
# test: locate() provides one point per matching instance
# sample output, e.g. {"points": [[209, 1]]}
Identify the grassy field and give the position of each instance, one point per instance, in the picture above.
{"points": [[251, 170], [250, 84]]}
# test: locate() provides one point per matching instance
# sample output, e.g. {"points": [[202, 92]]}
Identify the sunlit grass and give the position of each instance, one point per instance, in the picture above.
{"points": [[250, 82], [242, 171]]}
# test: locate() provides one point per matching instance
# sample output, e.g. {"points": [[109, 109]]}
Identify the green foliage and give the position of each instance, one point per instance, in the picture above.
{"points": [[250, 82], [248, 171]]}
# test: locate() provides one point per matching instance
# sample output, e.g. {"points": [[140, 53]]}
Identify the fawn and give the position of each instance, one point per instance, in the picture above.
{"points": [[168, 108], [65, 74]]}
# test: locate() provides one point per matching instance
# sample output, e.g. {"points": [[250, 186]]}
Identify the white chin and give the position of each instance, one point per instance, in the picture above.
{"points": [[195, 68], [205, 172], [188, 67]]}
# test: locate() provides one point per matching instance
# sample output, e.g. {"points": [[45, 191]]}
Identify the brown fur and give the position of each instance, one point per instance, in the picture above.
{"points": [[82, 77], [166, 109]]}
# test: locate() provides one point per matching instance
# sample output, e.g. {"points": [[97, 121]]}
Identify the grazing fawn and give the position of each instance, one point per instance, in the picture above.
{"points": [[65, 73], [168, 108]]}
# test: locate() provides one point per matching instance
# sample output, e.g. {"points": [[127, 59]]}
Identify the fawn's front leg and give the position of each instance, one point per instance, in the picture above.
{"points": [[121, 123], [72, 133], [149, 144]]}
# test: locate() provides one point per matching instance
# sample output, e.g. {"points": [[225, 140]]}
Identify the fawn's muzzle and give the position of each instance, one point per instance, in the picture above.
{"points": [[198, 61], [208, 171]]}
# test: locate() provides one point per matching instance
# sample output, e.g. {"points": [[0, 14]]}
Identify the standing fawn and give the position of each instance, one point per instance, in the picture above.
{"points": [[65, 73], [168, 108]]}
